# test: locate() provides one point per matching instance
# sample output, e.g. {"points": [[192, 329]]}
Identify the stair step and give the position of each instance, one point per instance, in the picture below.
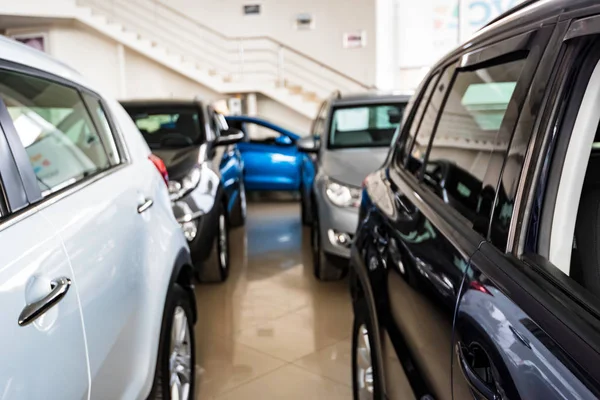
{"points": [[310, 96], [294, 89]]}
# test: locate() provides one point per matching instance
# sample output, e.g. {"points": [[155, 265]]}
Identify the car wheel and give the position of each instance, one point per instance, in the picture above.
{"points": [[175, 376], [364, 368], [305, 212], [216, 268], [238, 215], [323, 266]]}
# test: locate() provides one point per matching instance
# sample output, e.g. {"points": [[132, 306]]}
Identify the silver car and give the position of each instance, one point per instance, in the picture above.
{"points": [[350, 138]]}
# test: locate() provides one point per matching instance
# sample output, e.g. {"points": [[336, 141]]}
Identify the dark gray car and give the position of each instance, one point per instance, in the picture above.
{"points": [[351, 137]]}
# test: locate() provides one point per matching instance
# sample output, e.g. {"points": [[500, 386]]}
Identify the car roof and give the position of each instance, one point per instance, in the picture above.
{"points": [[372, 97], [157, 103], [528, 13]]}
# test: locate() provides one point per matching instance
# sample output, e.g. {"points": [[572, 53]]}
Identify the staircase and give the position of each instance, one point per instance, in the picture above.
{"points": [[228, 65]]}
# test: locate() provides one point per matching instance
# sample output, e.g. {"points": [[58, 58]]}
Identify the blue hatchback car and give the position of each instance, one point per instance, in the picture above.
{"points": [[272, 163]]}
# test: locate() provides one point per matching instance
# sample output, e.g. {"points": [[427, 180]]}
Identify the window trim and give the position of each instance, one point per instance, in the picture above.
{"points": [[95, 121]]}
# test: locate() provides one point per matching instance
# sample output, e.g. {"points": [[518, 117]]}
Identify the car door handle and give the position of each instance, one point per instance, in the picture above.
{"points": [[475, 382], [33, 311], [145, 205]]}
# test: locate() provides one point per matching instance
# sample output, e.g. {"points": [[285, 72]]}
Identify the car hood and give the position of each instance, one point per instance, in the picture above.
{"points": [[351, 166], [180, 161]]}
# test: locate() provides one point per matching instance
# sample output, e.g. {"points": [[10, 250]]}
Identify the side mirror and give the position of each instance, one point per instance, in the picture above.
{"points": [[283, 141], [230, 136], [308, 145]]}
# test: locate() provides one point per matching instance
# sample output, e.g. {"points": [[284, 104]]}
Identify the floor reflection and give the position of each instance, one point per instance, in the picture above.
{"points": [[272, 331]]}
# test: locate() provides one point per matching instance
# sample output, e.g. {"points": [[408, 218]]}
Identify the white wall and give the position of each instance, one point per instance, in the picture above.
{"points": [[283, 116], [139, 77], [428, 29], [38, 8], [332, 19]]}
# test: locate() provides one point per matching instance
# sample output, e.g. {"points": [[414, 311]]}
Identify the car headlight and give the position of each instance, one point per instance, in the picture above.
{"points": [[178, 189], [342, 195]]}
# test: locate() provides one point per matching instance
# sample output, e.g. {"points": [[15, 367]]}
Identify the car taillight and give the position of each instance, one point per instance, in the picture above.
{"points": [[161, 167]]}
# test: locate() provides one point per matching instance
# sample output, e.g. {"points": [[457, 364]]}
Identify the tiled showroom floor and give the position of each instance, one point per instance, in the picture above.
{"points": [[272, 331]]}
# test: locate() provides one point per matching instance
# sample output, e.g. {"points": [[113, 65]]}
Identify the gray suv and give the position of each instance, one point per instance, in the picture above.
{"points": [[350, 138]]}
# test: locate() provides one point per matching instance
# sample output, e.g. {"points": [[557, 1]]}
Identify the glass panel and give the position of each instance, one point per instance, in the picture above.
{"points": [[169, 127], [425, 130], [365, 126], [55, 128], [103, 126], [414, 127], [469, 148]]}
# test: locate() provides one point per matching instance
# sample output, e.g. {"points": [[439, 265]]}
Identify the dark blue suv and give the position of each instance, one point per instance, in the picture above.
{"points": [[475, 270]]}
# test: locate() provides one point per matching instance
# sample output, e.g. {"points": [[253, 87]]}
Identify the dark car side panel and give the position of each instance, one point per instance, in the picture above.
{"points": [[416, 270], [500, 337]]}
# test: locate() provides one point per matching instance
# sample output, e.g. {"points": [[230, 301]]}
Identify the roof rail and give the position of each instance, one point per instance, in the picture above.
{"points": [[513, 10]]}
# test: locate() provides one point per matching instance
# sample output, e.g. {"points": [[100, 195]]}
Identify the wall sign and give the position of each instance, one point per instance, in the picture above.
{"points": [[305, 21], [355, 40], [35, 40], [252, 9]]}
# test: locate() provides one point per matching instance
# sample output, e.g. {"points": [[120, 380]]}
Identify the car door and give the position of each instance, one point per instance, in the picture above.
{"points": [[271, 159], [42, 339], [104, 218], [527, 323], [111, 247], [442, 196], [228, 160]]}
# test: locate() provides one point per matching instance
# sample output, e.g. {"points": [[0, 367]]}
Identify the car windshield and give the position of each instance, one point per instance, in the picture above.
{"points": [[365, 126], [169, 127]]}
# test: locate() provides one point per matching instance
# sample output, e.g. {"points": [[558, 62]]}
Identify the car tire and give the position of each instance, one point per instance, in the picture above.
{"points": [[365, 385], [216, 268], [238, 214], [175, 363], [324, 266], [304, 209]]}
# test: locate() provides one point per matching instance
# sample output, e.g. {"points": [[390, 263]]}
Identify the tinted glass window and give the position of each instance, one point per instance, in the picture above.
{"points": [[56, 130], [365, 126], [507, 190], [168, 127], [416, 122], [421, 141], [469, 148]]}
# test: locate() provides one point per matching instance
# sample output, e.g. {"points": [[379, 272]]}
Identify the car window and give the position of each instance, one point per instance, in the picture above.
{"points": [[425, 129], [101, 122], [168, 127], [507, 188], [416, 122], [468, 148], [364, 126], [55, 128]]}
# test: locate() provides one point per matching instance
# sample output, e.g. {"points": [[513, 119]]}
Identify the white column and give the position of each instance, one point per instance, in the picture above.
{"points": [[251, 111], [385, 63]]}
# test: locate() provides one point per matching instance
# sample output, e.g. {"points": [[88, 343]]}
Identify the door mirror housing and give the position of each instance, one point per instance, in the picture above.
{"points": [[308, 145], [230, 136], [283, 141]]}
